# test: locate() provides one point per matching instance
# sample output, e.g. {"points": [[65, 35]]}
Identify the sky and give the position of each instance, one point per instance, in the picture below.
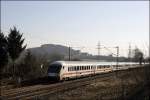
{"points": [[80, 24]]}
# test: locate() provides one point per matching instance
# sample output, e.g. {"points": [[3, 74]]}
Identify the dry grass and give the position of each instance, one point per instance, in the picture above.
{"points": [[113, 88]]}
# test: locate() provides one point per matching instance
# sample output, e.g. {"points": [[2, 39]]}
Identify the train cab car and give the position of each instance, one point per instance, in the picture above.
{"points": [[54, 71], [65, 70]]}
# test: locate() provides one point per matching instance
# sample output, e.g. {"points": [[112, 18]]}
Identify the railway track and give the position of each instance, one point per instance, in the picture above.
{"points": [[37, 91], [31, 92]]}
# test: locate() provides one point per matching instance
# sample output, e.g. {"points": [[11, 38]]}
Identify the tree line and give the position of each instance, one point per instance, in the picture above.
{"points": [[12, 65], [11, 47]]}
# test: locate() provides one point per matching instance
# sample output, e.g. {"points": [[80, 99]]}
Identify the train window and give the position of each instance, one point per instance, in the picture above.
{"points": [[105, 66], [82, 67], [73, 68], [54, 68], [77, 67], [100, 66]]}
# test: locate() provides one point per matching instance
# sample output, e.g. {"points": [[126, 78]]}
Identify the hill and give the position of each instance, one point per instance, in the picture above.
{"points": [[49, 50]]}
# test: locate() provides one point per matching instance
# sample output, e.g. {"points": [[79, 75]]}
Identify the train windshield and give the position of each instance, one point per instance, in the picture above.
{"points": [[54, 68]]}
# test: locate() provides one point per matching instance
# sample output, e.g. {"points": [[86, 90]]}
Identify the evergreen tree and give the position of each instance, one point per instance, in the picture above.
{"points": [[3, 51], [15, 46]]}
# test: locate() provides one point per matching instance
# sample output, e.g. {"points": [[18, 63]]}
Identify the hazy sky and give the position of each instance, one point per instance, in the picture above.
{"points": [[80, 23]]}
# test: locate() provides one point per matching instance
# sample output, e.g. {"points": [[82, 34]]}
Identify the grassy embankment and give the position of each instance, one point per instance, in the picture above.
{"points": [[121, 86]]}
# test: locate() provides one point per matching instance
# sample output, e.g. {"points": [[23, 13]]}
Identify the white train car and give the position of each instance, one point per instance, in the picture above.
{"points": [[64, 70]]}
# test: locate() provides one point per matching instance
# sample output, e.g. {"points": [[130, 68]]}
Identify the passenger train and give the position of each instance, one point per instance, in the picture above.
{"points": [[65, 70]]}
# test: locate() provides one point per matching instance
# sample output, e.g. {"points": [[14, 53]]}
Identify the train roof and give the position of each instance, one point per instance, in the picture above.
{"points": [[83, 63], [90, 63]]}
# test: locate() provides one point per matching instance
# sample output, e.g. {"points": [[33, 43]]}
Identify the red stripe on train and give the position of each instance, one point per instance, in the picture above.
{"points": [[81, 72]]}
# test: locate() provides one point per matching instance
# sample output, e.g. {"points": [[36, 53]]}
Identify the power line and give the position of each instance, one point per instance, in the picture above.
{"points": [[69, 53], [129, 54], [98, 48], [117, 56]]}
